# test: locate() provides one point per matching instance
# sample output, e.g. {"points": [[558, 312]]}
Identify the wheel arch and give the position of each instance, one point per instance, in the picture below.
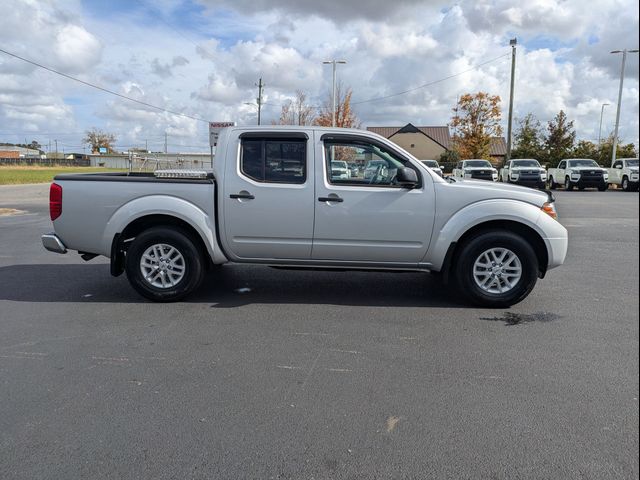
{"points": [[140, 224], [525, 231], [516, 216]]}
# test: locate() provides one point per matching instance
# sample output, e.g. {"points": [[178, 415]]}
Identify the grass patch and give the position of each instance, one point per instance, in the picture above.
{"points": [[34, 174]]}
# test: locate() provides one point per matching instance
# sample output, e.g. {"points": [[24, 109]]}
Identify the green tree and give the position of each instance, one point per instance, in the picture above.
{"points": [[622, 151], [560, 139], [99, 139], [586, 149], [476, 119], [528, 139], [448, 160]]}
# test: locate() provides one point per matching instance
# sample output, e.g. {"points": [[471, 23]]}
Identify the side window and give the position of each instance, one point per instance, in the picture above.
{"points": [[459, 165], [361, 164], [562, 165], [273, 160]]}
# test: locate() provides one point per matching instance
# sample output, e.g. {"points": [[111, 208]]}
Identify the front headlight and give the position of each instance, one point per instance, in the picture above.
{"points": [[575, 173]]}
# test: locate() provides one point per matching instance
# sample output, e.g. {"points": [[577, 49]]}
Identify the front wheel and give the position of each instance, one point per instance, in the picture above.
{"points": [[164, 264], [603, 187], [552, 185], [625, 184], [496, 269], [568, 186]]}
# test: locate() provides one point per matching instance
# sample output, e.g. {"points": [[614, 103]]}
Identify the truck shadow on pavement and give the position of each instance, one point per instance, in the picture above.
{"points": [[232, 286]]}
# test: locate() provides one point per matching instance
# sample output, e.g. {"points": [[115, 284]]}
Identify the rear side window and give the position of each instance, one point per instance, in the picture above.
{"points": [[280, 160]]}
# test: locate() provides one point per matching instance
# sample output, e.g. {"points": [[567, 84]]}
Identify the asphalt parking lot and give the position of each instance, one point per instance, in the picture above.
{"points": [[277, 374]]}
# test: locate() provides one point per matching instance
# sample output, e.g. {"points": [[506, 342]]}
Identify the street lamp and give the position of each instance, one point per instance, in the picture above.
{"points": [[600, 129], [615, 133], [333, 90], [513, 42]]}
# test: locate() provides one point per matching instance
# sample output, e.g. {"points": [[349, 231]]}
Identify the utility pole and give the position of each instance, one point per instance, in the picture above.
{"points": [[56, 148], [146, 146], [600, 128], [615, 132], [333, 89], [165, 142], [513, 42], [260, 86]]}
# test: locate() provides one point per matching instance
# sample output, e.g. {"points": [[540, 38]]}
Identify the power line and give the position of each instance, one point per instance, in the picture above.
{"points": [[375, 99], [101, 88]]}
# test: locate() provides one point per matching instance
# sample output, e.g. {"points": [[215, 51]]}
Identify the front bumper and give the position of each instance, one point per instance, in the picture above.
{"points": [[51, 242], [533, 182], [589, 183]]}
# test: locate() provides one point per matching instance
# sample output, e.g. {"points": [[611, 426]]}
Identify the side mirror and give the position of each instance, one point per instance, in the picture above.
{"points": [[619, 166], [407, 177]]}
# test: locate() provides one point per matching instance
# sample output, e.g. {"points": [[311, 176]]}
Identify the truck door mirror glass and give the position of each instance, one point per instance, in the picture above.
{"points": [[619, 166], [407, 177]]}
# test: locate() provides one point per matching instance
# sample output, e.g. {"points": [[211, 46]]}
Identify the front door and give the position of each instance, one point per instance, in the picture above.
{"points": [[268, 197], [367, 217]]}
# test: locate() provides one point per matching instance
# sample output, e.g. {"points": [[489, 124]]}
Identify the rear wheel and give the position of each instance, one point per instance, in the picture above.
{"points": [[496, 269], [164, 264]]}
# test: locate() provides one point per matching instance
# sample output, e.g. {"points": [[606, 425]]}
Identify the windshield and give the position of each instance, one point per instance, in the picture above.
{"points": [[336, 164], [526, 163], [430, 163], [583, 162], [477, 163], [632, 163]]}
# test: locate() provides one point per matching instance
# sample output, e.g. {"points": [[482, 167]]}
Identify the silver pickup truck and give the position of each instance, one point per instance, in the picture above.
{"points": [[273, 198]]}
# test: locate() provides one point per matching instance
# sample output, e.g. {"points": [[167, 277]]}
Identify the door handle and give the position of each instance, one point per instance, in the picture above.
{"points": [[244, 196], [331, 199]]}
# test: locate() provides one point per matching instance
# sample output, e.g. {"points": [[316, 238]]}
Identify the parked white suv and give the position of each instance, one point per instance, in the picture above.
{"points": [[477, 169], [578, 172], [624, 173], [524, 171], [433, 165], [340, 170]]}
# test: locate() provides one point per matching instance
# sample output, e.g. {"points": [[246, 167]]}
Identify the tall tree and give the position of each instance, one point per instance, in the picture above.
{"points": [[297, 111], [476, 121], [528, 139], [586, 149], [622, 151], [99, 139], [345, 116], [560, 139]]}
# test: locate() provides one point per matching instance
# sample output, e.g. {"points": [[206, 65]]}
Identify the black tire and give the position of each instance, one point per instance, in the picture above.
{"points": [[625, 184], [473, 248], [184, 244], [603, 187], [568, 186], [552, 185]]}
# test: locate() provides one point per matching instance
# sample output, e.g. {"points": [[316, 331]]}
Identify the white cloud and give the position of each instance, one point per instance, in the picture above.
{"points": [[210, 70]]}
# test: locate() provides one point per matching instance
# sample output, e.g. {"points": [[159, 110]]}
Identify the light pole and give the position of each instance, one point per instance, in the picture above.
{"points": [[615, 132], [513, 42], [600, 129], [333, 90]]}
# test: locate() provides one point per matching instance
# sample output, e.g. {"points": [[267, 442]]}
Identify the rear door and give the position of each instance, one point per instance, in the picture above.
{"points": [[368, 217], [267, 197]]}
